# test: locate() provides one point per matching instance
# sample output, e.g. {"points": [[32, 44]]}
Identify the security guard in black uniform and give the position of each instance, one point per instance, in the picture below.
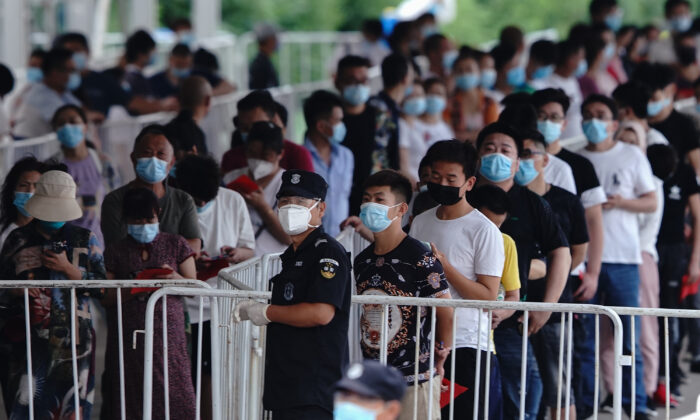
{"points": [[307, 335]]}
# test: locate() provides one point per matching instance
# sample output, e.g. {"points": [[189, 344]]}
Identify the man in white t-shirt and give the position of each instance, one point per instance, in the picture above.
{"points": [[625, 174], [470, 249]]}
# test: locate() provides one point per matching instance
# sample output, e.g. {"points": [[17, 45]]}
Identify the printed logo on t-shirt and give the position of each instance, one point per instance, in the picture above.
{"points": [[289, 291], [675, 193], [616, 181]]}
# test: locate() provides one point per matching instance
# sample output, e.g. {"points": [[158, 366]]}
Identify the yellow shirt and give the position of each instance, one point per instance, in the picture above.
{"points": [[511, 277]]}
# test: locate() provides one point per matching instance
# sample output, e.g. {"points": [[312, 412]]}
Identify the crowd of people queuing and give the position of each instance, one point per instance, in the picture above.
{"points": [[455, 171]]}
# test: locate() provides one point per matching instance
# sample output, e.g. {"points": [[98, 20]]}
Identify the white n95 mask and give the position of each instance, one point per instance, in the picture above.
{"points": [[295, 218]]}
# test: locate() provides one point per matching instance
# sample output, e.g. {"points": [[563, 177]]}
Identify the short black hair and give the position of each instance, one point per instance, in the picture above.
{"points": [[605, 100], [489, 197], [503, 128], [580, 32], [671, 4], [258, 99], [512, 35], [198, 176], [38, 53], [351, 61], [319, 106], [430, 82], [179, 22], [454, 151], [151, 130], [634, 95], [8, 211], [140, 42], [70, 37], [502, 54], [593, 46], [59, 111], [424, 162], [281, 111], [663, 160], [516, 98], [140, 203], [400, 33], [181, 50], [7, 80], [205, 60], [433, 42], [657, 76], [373, 27], [394, 70], [534, 135], [55, 59], [400, 185], [544, 51], [269, 134], [542, 97], [566, 49], [599, 7], [522, 116]]}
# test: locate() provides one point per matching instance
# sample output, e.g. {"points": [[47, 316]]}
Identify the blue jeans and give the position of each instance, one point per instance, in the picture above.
{"points": [[508, 350], [618, 285]]}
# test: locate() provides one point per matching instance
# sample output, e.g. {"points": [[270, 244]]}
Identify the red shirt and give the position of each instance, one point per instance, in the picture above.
{"points": [[295, 157]]}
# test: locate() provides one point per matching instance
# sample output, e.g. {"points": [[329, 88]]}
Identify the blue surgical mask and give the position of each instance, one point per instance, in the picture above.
{"points": [[467, 81], [350, 411], [80, 60], [526, 172], [414, 106], [614, 21], [609, 51], [51, 226], [375, 216], [542, 72], [408, 91], [654, 108], [173, 171], [697, 108], [205, 207], [74, 81], [488, 79], [144, 234], [596, 130], [681, 23], [21, 199], [581, 69], [151, 60], [434, 104], [186, 38], [550, 130], [448, 59], [151, 170], [515, 76], [495, 167], [70, 135], [181, 73], [34, 74], [339, 131], [356, 94]]}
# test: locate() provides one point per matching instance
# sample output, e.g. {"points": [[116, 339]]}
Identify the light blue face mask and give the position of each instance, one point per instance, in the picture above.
{"points": [[467, 81], [356, 94], [181, 73], [614, 21], [609, 52], [542, 72], [654, 108], [350, 411], [495, 167], [581, 69], [151, 170], [526, 172], [681, 23], [144, 234], [151, 60], [550, 130], [449, 58], [51, 226], [205, 207], [488, 79], [414, 106], [434, 104], [187, 38], [697, 108], [20, 200], [74, 81], [173, 171], [408, 91], [34, 74], [596, 130], [375, 216], [80, 60], [515, 76], [339, 132], [70, 135]]}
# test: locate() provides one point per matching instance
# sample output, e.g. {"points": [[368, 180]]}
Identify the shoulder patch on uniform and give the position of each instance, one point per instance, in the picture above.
{"points": [[329, 267], [320, 241]]}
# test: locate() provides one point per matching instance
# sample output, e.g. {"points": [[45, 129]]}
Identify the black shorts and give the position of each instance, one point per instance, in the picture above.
{"points": [[206, 348]]}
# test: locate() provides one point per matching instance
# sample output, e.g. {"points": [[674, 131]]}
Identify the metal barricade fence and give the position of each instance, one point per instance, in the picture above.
{"points": [[229, 298], [80, 287]]}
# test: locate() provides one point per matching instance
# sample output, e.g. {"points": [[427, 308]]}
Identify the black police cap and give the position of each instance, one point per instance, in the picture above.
{"points": [[305, 184], [374, 380]]}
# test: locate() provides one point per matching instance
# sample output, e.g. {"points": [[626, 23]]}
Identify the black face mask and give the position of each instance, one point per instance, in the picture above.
{"points": [[444, 194]]}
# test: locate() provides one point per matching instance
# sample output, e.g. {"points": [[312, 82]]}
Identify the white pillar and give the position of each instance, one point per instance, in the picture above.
{"points": [[206, 17], [80, 16], [14, 33], [142, 14]]}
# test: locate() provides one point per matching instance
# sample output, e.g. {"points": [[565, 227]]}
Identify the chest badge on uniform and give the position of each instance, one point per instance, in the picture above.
{"points": [[289, 291], [329, 267]]}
